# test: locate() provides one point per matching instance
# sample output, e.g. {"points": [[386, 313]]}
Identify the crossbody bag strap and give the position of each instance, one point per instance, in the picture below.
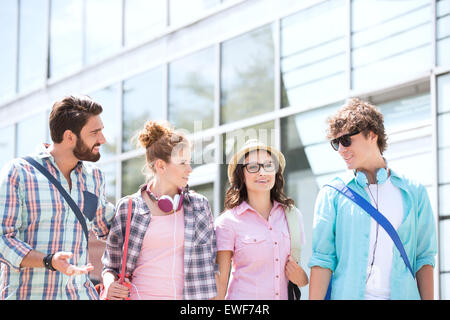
{"points": [[375, 214], [125, 245], [63, 192]]}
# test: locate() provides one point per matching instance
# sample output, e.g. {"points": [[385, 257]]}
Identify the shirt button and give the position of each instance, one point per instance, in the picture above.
{"points": [[276, 259], [276, 243], [276, 293], [277, 276], [270, 228]]}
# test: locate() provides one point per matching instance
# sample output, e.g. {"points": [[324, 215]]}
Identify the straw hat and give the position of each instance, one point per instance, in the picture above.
{"points": [[251, 145]]}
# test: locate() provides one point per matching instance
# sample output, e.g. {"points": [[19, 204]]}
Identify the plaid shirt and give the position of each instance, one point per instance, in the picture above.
{"points": [[199, 243], [35, 216]]}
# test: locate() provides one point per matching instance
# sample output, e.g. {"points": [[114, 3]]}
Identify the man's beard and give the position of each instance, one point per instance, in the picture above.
{"points": [[82, 151]]}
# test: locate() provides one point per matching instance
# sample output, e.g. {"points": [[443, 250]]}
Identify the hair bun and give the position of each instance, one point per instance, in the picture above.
{"points": [[152, 132]]}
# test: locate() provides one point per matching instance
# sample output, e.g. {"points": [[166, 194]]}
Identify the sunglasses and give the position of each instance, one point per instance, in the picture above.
{"points": [[254, 167], [345, 140]]}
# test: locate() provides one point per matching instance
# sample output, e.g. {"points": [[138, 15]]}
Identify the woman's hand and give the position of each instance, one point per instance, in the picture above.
{"points": [[117, 291], [295, 273]]}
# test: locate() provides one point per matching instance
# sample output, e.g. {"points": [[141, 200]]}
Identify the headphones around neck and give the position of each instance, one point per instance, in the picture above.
{"points": [[165, 202], [362, 179]]}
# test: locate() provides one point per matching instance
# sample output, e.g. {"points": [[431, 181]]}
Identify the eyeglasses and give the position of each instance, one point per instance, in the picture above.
{"points": [[345, 140], [254, 167]]}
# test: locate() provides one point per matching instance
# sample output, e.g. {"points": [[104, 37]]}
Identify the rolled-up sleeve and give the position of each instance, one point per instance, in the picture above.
{"points": [[426, 233], [12, 249], [323, 240]]}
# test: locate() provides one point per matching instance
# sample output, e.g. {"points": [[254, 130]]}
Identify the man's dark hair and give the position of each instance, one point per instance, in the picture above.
{"points": [[71, 113]]}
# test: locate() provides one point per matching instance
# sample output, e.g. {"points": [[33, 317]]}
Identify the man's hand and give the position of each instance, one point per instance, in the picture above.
{"points": [[60, 262]]}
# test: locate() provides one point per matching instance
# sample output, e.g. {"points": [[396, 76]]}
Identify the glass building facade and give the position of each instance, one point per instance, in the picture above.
{"points": [[226, 71]]}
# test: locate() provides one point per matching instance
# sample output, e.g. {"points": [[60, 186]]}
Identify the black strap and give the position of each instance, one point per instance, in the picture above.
{"points": [[294, 292], [64, 193]]}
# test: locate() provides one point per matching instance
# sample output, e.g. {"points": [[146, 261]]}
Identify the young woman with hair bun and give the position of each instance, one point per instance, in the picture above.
{"points": [[172, 245]]}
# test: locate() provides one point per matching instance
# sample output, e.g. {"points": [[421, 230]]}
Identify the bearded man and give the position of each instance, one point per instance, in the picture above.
{"points": [[43, 247]]}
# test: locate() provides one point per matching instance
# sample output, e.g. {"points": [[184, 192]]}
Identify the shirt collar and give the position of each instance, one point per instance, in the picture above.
{"points": [[44, 153], [244, 206]]}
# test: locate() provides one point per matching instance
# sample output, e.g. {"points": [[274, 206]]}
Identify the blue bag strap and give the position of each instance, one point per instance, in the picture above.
{"points": [[374, 213], [64, 193]]}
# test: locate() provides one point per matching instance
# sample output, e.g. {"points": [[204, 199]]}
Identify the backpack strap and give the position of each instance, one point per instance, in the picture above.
{"points": [[293, 222]]}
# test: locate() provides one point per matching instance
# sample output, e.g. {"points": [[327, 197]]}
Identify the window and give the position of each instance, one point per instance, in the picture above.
{"points": [[32, 44], [31, 134], [313, 61], [443, 32], [103, 28], [8, 39], [6, 144], [132, 175], [443, 125], [191, 91], [247, 75], [66, 39], [109, 99], [109, 170], [143, 19], [142, 101], [390, 41]]}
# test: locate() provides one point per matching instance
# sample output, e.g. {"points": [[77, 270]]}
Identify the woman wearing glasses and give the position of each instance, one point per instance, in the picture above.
{"points": [[253, 238]]}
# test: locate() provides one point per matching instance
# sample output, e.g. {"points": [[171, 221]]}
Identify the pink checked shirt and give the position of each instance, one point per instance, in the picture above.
{"points": [[260, 252]]}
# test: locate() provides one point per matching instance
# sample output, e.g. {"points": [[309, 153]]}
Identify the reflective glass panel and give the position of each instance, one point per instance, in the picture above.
{"points": [[444, 243], [406, 113], [443, 32], [444, 130], [391, 41], [8, 39], [203, 151], [6, 144], [109, 170], [31, 133], [143, 19], [312, 61], [109, 99], [103, 28], [132, 175], [247, 75], [182, 11], [443, 93], [444, 168], [66, 39], [142, 101], [32, 44], [191, 91], [445, 286], [444, 200]]}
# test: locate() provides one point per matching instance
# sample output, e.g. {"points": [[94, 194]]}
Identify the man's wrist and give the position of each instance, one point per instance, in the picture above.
{"points": [[48, 262]]}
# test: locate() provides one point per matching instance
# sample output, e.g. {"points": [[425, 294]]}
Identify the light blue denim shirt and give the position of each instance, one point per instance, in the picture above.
{"points": [[341, 235]]}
